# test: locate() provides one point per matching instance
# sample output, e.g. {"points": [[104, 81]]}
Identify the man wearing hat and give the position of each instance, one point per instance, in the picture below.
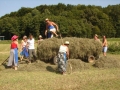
{"points": [[51, 27], [13, 59], [96, 38], [62, 57]]}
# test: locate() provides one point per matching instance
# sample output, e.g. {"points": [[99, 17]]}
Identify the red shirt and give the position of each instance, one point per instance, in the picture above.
{"points": [[13, 45]]}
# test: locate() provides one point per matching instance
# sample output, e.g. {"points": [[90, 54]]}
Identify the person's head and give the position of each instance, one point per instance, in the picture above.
{"points": [[96, 36], [40, 36], [104, 37], [24, 38], [47, 20], [30, 36], [14, 38], [66, 43]]}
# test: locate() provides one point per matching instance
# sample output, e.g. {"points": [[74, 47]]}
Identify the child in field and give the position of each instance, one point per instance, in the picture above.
{"points": [[24, 48]]}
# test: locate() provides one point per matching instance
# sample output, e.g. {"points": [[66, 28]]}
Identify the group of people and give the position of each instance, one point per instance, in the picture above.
{"points": [[27, 50], [104, 44]]}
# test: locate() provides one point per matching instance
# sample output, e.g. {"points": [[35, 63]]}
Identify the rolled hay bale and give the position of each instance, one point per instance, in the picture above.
{"points": [[76, 65], [107, 62], [80, 48]]}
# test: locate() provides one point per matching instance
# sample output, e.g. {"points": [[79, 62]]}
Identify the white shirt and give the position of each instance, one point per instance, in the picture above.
{"points": [[63, 48], [31, 44]]}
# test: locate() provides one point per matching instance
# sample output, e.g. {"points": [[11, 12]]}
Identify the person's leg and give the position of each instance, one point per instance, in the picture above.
{"points": [[30, 55], [34, 55], [16, 58], [104, 51], [54, 31]]}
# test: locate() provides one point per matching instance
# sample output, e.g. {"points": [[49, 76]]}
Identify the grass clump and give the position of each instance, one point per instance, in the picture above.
{"points": [[80, 48], [107, 62]]}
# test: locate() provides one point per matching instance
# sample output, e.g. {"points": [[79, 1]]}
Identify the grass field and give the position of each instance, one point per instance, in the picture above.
{"points": [[43, 76]]}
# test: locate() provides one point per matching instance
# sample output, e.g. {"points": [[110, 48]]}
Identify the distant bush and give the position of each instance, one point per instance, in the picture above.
{"points": [[114, 47], [107, 62]]}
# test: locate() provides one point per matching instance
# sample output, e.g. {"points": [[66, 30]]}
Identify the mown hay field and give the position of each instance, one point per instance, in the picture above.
{"points": [[100, 75]]}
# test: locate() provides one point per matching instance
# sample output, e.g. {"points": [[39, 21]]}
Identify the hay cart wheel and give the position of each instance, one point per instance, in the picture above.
{"points": [[55, 60], [91, 58]]}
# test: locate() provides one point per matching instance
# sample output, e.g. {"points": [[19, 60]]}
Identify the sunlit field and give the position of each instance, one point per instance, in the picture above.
{"points": [[44, 76]]}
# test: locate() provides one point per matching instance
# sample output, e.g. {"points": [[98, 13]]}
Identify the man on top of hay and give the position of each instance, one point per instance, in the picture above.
{"points": [[62, 57], [51, 27]]}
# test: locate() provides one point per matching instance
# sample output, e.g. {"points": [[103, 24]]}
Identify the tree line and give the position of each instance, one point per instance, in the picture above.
{"points": [[73, 20]]}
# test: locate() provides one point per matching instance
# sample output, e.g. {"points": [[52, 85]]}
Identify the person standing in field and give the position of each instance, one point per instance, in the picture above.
{"points": [[13, 58], [40, 39], [31, 48], [105, 45], [51, 28], [24, 48], [96, 38], [63, 55]]}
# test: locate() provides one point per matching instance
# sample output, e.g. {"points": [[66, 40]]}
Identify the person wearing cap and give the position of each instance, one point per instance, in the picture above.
{"points": [[51, 27], [96, 38], [40, 39], [13, 58], [63, 55], [31, 48], [24, 48]]}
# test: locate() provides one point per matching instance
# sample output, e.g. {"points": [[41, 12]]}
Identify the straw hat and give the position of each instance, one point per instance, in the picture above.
{"points": [[66, 42], [96, 35], [46, 19], [14, 37], [40, 36]]}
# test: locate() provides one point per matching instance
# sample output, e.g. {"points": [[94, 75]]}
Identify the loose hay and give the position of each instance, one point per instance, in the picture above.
{"points": [[80, 48], [76, 65], [107, 62], [36, 66]]}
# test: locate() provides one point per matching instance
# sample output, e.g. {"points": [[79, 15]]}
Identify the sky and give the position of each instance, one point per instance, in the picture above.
{"points": [[8, 6]]}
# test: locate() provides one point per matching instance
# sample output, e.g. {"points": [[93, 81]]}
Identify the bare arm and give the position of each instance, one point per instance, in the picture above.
{"points": [[67, 53], [55, 26]]}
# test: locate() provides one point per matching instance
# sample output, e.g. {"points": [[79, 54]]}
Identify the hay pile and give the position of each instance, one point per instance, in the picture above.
{"points": [[76, 65], [80, 48], [107, 62]]}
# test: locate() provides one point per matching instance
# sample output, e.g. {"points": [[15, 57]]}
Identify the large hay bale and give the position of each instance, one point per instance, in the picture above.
{"points": [[80, 48], [107, 62]]}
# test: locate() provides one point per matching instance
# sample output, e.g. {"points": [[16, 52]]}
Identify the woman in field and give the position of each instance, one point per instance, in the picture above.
{"points": [[104, 44], [13, 59], [62, 57], [24, 48]]}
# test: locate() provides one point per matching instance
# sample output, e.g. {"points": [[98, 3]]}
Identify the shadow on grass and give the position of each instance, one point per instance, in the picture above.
{"points": [[50, 69]]}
